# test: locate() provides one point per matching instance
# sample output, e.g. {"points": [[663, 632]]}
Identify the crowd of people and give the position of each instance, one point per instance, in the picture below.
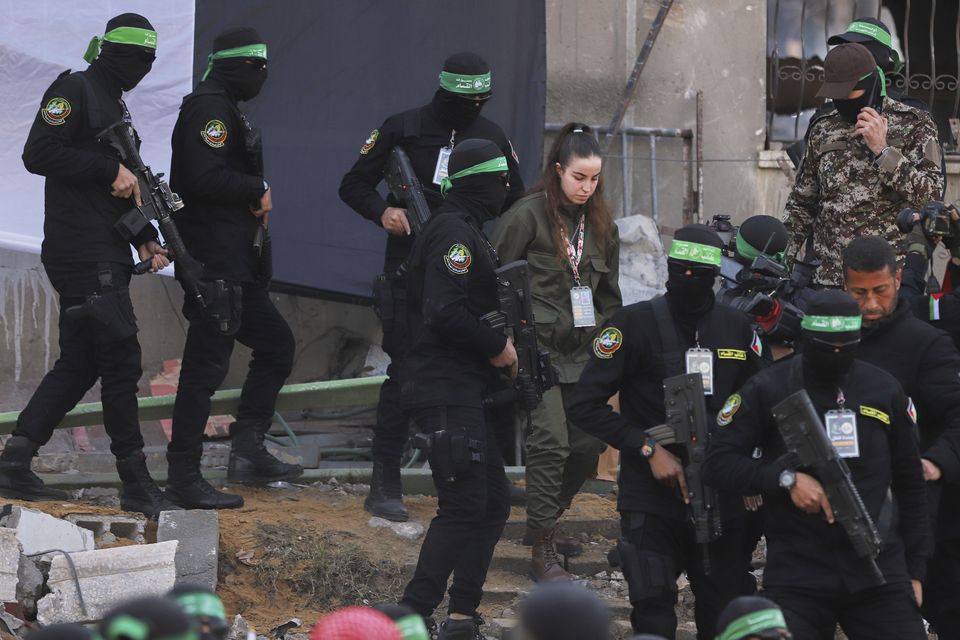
{"points": [[864, 535]]}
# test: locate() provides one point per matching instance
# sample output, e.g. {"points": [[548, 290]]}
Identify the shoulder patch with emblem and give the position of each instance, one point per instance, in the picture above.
{"points": [[607, 343], [458, 259], [214, 133], [756, 345], [731, 354], [370, 142], [729, 409], [911, 411], [876, 414], [55, 112]]}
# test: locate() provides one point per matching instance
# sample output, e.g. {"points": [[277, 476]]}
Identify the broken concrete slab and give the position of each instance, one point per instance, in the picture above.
{"points": [[29, 586], [198, 531], [106, 577], [9, 564], [40, 532], [129, 527]]}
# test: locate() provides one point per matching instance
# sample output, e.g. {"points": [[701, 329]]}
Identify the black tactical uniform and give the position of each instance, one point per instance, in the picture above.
{"points": [[812, 570], [423, 133], [630, 357], [445, 378], [89, 264], [214, 172]]}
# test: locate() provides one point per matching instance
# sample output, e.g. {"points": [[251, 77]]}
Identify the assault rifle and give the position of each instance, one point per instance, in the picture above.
{"points": [[406, 188], [806, 438], [159, 203], [535, 374], [686, 420], [261, 237]]}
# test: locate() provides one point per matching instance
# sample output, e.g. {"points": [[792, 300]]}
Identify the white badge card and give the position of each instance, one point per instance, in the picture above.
{"points": [[842, 432], [581, 299], [440, 172], [701, 361]]}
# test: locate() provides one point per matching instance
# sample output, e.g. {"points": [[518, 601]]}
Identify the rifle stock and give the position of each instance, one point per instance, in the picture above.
{"points": [[686, 417], [806, 438], [406, 188]]}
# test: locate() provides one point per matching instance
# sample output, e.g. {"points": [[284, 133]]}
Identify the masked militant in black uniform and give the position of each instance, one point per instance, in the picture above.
{"points": [[684, 331], [452, 364], [88, 189], [427, 134], [926, 363], [217, 170], [861, 565]]}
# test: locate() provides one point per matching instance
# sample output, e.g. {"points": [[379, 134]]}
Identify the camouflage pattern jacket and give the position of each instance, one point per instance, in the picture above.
{"points": [[843, 192]]}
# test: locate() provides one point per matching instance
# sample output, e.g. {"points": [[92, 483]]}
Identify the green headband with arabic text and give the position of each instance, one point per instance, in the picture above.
{"points": [[881, 36], [831, 324], [201, 603], [753, 623], [748, 251], [465, 83], [246, 51], [695, 252], [121, 35], [494, 165]]}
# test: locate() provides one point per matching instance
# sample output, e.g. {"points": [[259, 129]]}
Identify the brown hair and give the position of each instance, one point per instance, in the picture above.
{"points": [[575, 140]]}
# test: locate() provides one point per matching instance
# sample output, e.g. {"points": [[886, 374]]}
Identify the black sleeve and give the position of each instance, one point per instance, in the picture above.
{"points": [[445, 292], [913, 277], [50, 149], [206, 173], [358, 189], [601, 378], [940, 385], [909, 490], [742, 425]]}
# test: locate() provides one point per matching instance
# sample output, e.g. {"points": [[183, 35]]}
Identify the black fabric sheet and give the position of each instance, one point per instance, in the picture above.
{"points": [[336, 71]]}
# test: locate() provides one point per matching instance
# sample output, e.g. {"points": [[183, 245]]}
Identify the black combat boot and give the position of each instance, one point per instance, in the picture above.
{"points": [[250, 462], [140, 492], [386, 495], [187, 488], [468, 629], [16, 479]]}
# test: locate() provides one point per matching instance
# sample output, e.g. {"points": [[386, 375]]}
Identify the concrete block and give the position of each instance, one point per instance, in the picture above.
{"points": [[198, 531], [129, 527], [39, 532], [106, 577], [9, 564]]}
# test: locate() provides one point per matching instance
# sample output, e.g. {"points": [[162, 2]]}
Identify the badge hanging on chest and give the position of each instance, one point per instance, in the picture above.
{"points": [[581, 300], [842, 431], [701, 361], [443, 159]]}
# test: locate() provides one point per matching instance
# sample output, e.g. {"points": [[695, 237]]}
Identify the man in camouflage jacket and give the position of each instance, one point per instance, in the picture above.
{"points": [[860, 168]]}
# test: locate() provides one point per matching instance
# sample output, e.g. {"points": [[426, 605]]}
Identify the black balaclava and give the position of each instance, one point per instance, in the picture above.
{"points": [[692, 295], [458, 108], [830, 336], [242, 79], [873, 92], [480, 193], [564, 611], [125, 64], [148, 619]]}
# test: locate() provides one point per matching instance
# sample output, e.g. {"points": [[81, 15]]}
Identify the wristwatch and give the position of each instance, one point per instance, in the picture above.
{"points": [[788, 479], [649, 447]]}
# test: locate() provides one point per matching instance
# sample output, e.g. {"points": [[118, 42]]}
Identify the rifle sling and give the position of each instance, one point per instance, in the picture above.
{"points": [[669, 340]]}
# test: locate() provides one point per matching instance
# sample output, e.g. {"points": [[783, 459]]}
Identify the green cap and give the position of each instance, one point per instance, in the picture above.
{"points": [[465, 84], [494, 165], [831, 324], [753, 623], [121, 35], [695, 252], [247, 51]]}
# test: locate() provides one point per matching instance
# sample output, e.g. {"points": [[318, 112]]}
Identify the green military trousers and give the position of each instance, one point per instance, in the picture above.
{"points": [[560, 458]]}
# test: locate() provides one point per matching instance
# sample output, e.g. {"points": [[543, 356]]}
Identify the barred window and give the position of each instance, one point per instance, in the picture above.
{"points": [[925, 33]]}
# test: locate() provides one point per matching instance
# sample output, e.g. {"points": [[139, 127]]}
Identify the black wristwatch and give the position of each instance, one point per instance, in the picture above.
{"points": [[649, 447], [788, 479]]}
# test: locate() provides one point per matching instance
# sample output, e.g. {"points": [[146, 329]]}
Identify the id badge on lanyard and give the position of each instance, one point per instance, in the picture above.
{"points": [[701, 361], [841, 426], [443, 160], [581, 297]]}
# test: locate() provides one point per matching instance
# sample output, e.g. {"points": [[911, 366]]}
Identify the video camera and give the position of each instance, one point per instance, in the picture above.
{"points": [[934, 219]]}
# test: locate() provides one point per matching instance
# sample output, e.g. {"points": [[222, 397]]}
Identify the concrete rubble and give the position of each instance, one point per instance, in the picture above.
{"points": [[198, 534], [9, 564], [39, 532], [105, 577], [409, 531]]}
